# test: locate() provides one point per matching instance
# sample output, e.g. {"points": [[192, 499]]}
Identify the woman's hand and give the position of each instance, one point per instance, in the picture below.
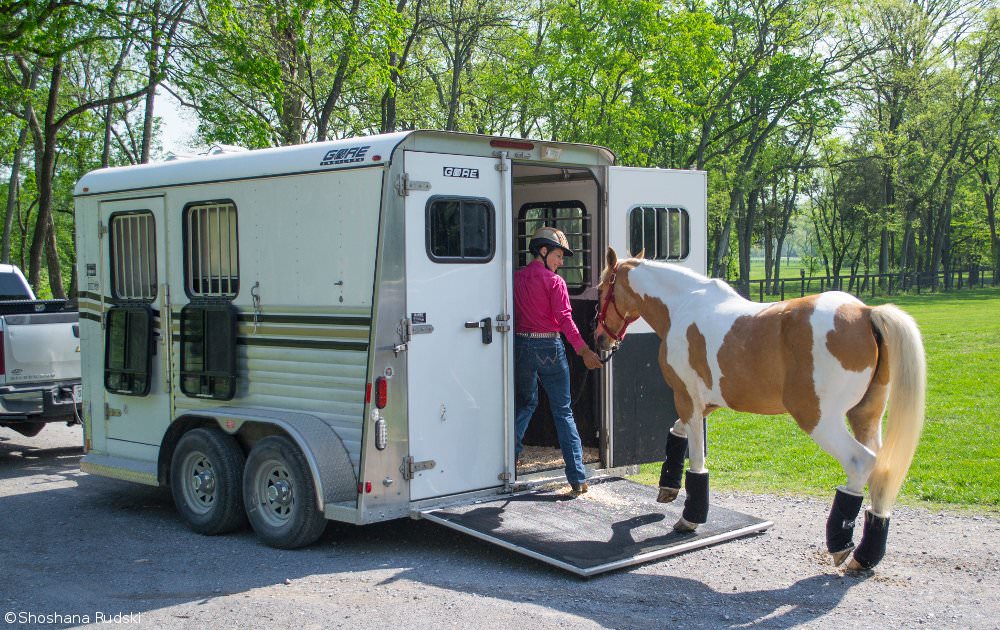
{"points": [[590, 358]]}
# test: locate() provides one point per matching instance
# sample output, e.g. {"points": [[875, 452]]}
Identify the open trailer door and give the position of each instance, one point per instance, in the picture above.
{"points": [[663, 213], [616, 524]]}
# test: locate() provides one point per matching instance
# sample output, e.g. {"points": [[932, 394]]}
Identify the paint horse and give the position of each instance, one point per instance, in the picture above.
{"points": [[819, 358]]}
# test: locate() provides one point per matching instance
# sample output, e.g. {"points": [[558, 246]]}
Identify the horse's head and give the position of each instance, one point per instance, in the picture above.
{"points": [[618, 305]]}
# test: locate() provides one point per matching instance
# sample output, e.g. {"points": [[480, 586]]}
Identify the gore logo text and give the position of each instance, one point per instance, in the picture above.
{"points": [[458, 171], [345, 156]]}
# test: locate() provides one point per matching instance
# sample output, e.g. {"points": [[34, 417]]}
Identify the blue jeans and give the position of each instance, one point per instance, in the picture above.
{"points": [[545, 360]]}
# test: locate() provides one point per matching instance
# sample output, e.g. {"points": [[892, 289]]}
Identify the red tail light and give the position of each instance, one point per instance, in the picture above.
{"points": [[381, 392]]}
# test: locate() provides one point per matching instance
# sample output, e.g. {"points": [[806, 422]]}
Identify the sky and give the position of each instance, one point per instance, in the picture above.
{"points": [[179, 125]]}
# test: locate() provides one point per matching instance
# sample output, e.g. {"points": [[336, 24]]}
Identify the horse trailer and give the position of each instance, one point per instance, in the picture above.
{"points": [[324, 332]]}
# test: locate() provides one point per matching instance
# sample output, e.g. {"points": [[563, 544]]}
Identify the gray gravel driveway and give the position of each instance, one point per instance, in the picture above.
{"points": [[79, 549]]}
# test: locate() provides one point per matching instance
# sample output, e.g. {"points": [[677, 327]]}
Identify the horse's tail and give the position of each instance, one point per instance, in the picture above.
{"points": [[902, 344]]}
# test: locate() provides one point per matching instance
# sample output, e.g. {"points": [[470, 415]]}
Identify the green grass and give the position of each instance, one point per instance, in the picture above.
{"points": [[957, 464]]}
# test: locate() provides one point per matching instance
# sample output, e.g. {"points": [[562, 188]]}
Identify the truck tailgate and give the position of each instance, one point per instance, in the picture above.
{"points": [[41, 347]]}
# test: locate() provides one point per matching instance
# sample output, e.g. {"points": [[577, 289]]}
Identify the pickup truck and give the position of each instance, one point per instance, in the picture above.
{"points": [[39, 357]]}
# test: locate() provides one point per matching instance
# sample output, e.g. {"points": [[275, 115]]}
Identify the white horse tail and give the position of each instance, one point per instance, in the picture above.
{"points": [[902, 343]]}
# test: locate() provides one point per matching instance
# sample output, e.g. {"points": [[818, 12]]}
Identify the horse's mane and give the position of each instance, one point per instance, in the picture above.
{"points": [[692, 280]]}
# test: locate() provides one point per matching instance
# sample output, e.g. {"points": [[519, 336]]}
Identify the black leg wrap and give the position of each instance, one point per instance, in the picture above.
{"points": [[673, 463], [872, 547], [696, 503], [840, 523]]}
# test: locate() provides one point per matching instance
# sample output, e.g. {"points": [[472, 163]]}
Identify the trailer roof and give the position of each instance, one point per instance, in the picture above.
{"points": [[308, 158]]}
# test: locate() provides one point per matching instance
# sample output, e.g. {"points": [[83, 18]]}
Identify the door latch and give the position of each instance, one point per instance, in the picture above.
{"points": [[485, 325]]}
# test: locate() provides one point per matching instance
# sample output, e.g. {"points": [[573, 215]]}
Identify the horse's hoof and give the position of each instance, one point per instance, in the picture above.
{"points": [[853, 566], [667, 495], [839, 556], [684, 525]]}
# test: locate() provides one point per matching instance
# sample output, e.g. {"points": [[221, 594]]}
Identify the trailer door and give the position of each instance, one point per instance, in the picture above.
{"points": [[457, 305], [665, 213], [136, 327]]}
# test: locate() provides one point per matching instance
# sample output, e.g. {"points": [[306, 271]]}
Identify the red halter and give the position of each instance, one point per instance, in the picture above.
{"points": [[602, 320]]}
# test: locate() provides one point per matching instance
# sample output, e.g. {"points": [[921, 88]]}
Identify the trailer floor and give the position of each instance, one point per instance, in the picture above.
{"points": [[617, 524]]}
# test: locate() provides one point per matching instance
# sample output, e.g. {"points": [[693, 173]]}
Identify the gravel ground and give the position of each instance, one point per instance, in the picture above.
{"points": [[80, 549]]}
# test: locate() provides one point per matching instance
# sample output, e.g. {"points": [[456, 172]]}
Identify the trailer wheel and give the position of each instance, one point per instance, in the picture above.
{"points": [[206, 475], [280, 496]]}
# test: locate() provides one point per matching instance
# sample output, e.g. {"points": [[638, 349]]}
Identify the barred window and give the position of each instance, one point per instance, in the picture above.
{"points": [[211, 250], [568, 216], [664, 232], [133, 256]]}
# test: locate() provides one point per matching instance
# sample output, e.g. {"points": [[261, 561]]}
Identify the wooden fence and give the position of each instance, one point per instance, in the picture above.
{"points": [[866, 284]]}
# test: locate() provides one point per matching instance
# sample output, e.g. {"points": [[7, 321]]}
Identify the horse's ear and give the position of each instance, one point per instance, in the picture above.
{"points": [[641, 254], [612, 258]]}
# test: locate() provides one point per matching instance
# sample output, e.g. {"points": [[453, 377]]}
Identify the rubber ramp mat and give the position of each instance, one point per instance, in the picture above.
{"points": [[617, 524]]}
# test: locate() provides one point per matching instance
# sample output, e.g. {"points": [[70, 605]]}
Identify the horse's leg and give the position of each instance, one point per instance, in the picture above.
{"points": [[695, 480], [673, 463], [857, 461], [866, 421]]}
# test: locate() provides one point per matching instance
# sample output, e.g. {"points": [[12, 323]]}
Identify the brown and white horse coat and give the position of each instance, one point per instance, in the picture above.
{"points": [[820, 358]]}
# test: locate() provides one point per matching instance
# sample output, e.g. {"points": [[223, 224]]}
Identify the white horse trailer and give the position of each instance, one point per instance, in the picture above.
{"points": [[324, 331]]}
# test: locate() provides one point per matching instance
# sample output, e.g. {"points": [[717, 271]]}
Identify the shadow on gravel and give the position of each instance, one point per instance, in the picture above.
{"points": [[88, 544], [20, 460]]}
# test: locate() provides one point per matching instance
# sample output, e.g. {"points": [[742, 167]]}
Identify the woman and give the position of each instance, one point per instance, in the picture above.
{"points": [[541, 312]]}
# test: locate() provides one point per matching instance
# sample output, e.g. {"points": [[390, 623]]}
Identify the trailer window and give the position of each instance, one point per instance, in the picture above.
{"points": [[208, 350], [133, 256], [211, 250], [568, 216], [128, 349], [664, 232], [460, 230]]}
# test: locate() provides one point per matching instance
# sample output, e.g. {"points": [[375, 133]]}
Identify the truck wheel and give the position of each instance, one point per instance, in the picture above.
{"points": [[280, 496], [206, 475]]}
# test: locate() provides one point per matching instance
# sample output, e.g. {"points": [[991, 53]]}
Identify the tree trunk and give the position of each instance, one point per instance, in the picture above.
{"points": [[152, 82], [12, 191], [52, 256], [45, 170]]}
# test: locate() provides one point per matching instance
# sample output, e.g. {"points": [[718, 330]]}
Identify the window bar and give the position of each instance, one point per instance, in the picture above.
{"points": [[193, 242], [229, 251], [128, 257], [150, 257], [217, 242]]}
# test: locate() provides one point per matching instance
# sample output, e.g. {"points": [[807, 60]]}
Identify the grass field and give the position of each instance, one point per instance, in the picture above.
{"points": [[958, 461]]}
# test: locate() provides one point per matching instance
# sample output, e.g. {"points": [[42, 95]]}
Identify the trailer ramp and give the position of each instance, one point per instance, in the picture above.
{"points": [[617, 524]]}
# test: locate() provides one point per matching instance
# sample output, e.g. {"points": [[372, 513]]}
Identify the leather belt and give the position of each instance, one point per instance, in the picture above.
{"points": [[535, 335]]}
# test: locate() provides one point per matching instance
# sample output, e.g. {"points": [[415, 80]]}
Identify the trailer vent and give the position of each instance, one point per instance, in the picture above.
{"points": [[133, 256], [211, 250]]}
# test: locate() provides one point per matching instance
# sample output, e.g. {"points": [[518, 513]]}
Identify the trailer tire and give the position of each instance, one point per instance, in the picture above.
{"points": [[206, 478], [280, 495]]}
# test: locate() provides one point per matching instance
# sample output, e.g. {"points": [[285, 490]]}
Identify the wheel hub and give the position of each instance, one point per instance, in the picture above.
{"points": [[280, 492], [204, 482]]}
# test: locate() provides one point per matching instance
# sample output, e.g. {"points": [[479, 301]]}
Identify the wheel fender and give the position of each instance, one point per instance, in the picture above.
{"points": [[333, 472]]}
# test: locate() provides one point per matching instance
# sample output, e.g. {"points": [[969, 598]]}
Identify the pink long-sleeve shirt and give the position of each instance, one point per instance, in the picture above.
{"points": [[541, 304]]}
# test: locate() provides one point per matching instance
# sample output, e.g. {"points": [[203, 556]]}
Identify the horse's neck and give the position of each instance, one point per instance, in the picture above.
{"points": [[679, 289]]}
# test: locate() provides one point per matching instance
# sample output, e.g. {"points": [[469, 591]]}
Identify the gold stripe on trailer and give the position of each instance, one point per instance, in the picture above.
{"points": [[115, 472]]}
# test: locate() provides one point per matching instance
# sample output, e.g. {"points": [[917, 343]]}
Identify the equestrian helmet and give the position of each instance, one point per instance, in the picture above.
{"points": [[549, 237]]}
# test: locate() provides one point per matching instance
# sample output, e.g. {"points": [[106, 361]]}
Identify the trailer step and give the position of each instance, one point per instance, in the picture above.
{"points": [[616, 524]]}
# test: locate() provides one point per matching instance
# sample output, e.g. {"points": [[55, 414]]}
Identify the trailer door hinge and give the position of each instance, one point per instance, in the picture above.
{"points": [[504, 476], [404, 185], [101, 229], [411, 468], [111, 412]]}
